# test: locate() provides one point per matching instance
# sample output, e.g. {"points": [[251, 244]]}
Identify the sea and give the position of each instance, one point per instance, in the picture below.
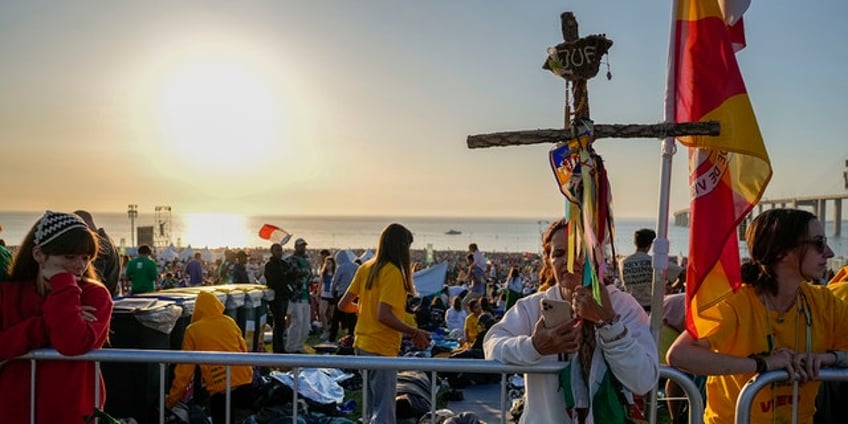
{"points": [[216, 230]]}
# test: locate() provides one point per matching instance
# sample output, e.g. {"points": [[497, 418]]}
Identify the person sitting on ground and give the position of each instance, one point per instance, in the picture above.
{"points": [[421, 312], [169, 282], [471, 321], [455, 317], [211, 330], [437, 313], [473, 351]]}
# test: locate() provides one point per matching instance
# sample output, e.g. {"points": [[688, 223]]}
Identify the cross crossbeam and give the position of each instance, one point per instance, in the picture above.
{"points": [[661, 130]]}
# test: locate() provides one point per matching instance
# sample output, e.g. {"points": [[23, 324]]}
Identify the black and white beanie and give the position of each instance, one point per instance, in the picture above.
{"points": [[54, 224]]}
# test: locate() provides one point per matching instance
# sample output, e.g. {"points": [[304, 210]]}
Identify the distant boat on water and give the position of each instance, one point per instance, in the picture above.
{"points": [[453, 232]]}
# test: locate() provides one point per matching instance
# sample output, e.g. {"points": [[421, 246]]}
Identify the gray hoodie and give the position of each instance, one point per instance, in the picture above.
{"points": [[345, 270]]}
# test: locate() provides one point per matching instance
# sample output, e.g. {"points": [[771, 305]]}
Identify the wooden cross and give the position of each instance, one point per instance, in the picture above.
{"points": [[578, 60]]}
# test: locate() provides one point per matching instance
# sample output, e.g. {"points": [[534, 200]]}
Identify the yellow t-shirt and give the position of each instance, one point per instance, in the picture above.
{"points": [[745, 326], [471, 329], [371, 335]]}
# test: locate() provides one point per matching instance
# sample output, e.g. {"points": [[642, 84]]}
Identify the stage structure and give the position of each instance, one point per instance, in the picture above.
{"points": [[162, 232]]}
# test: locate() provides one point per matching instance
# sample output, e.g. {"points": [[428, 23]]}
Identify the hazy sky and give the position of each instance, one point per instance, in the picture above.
{"points": [[363, 107]]}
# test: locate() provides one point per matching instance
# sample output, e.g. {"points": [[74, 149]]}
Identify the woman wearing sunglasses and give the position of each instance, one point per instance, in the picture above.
{"points": [[776, 320]]}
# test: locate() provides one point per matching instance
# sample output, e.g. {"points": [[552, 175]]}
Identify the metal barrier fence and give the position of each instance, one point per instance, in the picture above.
{"points": [[749, 391], [297, 362]]}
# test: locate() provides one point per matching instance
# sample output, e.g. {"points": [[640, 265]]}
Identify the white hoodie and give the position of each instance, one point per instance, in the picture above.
{"points": [[632, 358]]}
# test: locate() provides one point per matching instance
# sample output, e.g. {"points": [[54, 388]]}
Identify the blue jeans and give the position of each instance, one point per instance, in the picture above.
{"points": [[382, 391]]}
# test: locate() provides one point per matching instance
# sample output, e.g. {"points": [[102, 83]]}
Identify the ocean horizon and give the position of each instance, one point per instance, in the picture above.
{"points": [[216, 230]]}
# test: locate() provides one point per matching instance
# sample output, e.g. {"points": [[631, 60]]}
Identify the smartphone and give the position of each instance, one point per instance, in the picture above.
{"points": [[555, 312]]}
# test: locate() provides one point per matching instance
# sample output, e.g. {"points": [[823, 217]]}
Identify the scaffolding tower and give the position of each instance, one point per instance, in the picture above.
{"points": [[162, 231]]}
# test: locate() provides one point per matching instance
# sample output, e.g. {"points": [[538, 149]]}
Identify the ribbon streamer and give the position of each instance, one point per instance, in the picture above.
{"points": [[582, 179]]}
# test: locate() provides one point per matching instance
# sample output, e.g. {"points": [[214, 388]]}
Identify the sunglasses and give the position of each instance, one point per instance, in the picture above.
{"points": [[820, 243]]}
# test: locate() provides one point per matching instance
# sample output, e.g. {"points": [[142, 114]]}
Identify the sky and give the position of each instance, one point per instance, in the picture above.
{"points": [[363, 108]]}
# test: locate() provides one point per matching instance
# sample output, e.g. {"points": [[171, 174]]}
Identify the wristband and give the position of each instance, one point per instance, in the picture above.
{"points": [[615, 338], [762, 366], [602, 323]]}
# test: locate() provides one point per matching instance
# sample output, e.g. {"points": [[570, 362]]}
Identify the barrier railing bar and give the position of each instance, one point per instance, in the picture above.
{"points": [[758, 382], [365, 411], [162, 393], [297, 362], [696, 402], [433, 384], [504, 379], [32, 391], [97, 388], [296, 383], [228, 395]]}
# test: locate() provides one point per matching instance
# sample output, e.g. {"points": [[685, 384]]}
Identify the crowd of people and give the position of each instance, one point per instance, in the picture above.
{"points": [[57, 292]]}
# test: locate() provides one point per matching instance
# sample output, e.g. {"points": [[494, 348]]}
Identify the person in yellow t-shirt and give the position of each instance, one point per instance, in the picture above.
{"points": [[382, 286], [471, 321], [211, 330], [776, 320]]}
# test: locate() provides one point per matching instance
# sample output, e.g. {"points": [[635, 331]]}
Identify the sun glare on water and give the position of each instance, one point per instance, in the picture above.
{"points": [[214, 230]]}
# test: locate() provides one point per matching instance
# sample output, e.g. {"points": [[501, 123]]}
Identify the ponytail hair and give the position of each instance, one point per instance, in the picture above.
{"points": [[770, 237]]}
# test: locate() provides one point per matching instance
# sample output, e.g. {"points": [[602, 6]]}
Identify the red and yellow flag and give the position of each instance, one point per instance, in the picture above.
{"points": [[727, 173]]}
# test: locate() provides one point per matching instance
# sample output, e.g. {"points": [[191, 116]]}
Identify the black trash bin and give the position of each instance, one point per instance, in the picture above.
{"points": [[235, 301], [132, 389], [183, 300], [253, 314]]}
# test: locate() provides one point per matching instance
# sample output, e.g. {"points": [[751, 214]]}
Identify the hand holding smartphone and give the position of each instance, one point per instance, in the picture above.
{"points": [[555, 312]]}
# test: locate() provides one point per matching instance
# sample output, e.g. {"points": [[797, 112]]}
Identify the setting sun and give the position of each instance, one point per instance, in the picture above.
{"points": [[214, 109], [209, 100]]}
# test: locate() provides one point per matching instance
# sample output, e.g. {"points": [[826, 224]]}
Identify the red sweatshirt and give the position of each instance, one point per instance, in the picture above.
{"points": [[64, 391]]}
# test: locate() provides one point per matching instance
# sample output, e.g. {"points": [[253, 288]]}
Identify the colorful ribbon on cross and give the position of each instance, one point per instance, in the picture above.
{"points": [[582, 179]]}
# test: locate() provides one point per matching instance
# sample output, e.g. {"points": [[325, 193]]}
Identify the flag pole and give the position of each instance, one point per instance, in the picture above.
{"points": [[660, 257]]}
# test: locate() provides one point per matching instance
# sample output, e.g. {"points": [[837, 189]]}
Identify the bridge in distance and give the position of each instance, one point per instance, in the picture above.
{"points": [[816, 204]]}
